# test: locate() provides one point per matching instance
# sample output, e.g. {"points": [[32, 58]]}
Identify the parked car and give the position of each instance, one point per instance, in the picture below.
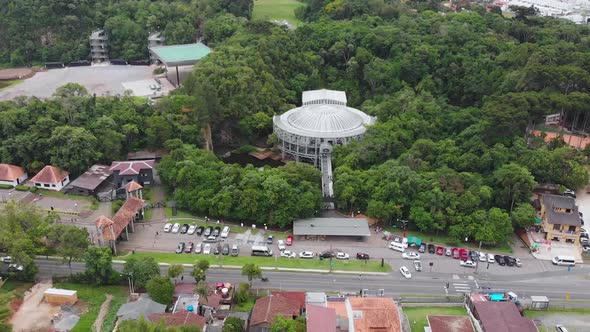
{"points": [[225, 250], [431, 248], [586, 248], [456, 253], [217, 249], [422, 248], [468, 263], [411, 255], [191, 229], [405, 272], [184, 229], [198, 248], [448, 252], [167, 227], [200, 230], [326, 254], [500, 260], [175, 228], [216, 231], [270, 239], [208, 231], [207, 249], [306, 254], [361, 255], [483, 257], [517, 262], [235, 250], [440, 250], [491, 258], [15, 268], [225, 232], [509, 261], [418, 266], [6, 259], [180, 248], [569, 193], [288, 254], [281, 245], [189, 248], [560, 328], [289, 241], [473, 255], [342, 255], [464, 254], [210, 239]]}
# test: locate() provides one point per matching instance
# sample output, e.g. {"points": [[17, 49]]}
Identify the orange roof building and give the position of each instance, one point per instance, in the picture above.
{"points": [[51, 178], [267, 308], [12, 175], [110, 230]]}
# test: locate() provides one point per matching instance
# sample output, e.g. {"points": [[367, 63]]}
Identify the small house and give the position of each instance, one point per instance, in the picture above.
{"points": [[561, 218], [140, 171], [51, 178], [12, 175], [58, 296]]}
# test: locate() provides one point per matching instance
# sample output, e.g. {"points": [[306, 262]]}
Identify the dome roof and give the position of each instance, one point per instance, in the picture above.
{"points": [[325, 119]]}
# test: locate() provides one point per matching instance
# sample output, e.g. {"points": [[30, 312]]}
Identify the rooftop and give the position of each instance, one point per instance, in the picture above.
{"points": [[142, 307], [553, 202], [332, 226], [181, 55], [323, 94], [131, 167], [132, 186], [375, 314], [59, 291], [267, 308], [121, 219], [320, 319], [179, 318], [50, 174], [10, 172], [92, 178], [450, 324], [502, 317]]}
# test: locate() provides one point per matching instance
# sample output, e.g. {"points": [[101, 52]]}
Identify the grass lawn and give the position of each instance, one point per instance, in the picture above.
{"points": [[179, 214], [277, 10], [418, 314], [94, 296], [350, 265], [446, 240], [6, 84]]}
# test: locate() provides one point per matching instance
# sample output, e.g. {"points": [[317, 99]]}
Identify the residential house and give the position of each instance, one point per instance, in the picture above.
{"points": [[51, 178], [140, 171], [12, 175], [561, 218], [143, 307], [320, 318], [365, 314], [96, 178], [267, 308], [501, 316]]}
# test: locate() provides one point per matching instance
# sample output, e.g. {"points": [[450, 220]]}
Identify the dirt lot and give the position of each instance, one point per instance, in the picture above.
{"points": [[34, 315], [573, 322]]}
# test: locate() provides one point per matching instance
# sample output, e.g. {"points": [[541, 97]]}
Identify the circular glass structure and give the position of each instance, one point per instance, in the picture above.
{"points": [[321, 122]]}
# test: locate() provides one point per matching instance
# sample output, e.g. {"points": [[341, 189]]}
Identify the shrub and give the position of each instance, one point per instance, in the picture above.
{"points": [[159, 70], [33, 189], [22, 188], [6, 186], [245, 149]]}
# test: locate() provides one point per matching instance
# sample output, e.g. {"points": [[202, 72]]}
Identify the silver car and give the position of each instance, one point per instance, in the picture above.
{"points": [[198, 248]]}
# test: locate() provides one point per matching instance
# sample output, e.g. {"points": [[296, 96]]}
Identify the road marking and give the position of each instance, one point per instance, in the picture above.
{"points": [[470, 277], [476, 285], [455, 276]]}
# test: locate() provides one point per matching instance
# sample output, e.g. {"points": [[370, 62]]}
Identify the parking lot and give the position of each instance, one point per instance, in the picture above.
{"points": [[145, 239]]}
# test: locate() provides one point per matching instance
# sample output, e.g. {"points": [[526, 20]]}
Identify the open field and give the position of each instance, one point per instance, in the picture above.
{"points": [[418, 315], [277, 10], [6, 84], [297, 263], [94, 296]]}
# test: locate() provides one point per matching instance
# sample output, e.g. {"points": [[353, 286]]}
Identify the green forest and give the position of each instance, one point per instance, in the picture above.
{"points": [[454, 94]]}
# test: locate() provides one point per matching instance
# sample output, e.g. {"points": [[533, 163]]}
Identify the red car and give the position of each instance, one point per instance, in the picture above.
{"points": [[455, 253], [189, 248], [464, 253], [289, 240], [440, 250]]}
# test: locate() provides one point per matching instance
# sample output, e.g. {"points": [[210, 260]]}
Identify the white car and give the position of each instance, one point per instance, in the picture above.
{"points": [[518, 262], [405, 272], [191, 229], [418, 266], [411, 255], [468, 263], [491, 259], [483, 257], [15, 268], [167, 228], [207, 249], [281, 245], [306, 254], [175, 228], [560, 328], [6, 259], [288, 254], [342, 255], [198, 248], [225, 232]]}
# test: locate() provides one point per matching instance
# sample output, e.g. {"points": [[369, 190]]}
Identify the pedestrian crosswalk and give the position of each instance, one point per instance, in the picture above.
{"points": [[461, 287]]}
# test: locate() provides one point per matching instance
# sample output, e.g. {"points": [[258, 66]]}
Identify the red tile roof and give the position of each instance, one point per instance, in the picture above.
{"points": [[502, 317], [185, 288], [179, 318], [132, 186], [131, 167], [50, 174], [267, 308], [377, 314], [10, 172], [213, 300], [450, 324], [103, 221], [298, 297], [122, 218], [320, 319]]}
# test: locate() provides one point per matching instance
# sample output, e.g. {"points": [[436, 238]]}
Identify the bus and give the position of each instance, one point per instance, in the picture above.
{"points": [[564, 260], [261, 251]]}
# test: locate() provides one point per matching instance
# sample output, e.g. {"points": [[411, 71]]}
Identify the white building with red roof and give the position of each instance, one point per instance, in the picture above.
{"points": [[51, 178], [12, 175]]}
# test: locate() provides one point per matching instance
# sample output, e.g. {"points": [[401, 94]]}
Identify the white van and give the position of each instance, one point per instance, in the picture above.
{"points": [[564, 260], [261, 251], [397, 246], [225, 232]]}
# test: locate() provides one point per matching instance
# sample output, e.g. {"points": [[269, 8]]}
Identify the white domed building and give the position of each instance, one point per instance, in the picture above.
{"points": [[321, 122]]}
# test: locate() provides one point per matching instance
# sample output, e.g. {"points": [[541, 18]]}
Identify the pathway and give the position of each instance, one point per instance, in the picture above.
{"points": [[104, 308], [34, 314]]}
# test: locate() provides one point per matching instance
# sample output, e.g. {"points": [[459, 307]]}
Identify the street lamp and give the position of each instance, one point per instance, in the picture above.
{"points": [[130, 281]]}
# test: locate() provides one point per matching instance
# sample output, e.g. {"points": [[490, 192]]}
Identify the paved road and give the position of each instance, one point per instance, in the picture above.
{"points": [[553, 285]]}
